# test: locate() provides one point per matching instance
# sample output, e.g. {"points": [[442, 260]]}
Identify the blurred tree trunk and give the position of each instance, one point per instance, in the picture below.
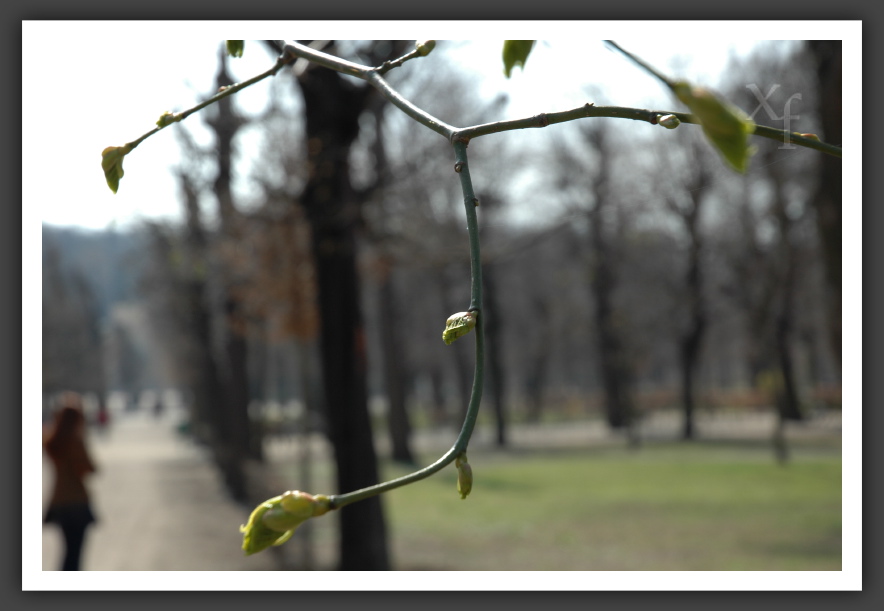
{"points": [[206, 415], [395, 367], [828, 197], [437, 384], [538, 357], [616, 372], [492, 311], [753, 290], [615, 375], [688, 210], [692, 339], [236, 431], [496, 381], [788, 403], [332, 108]]}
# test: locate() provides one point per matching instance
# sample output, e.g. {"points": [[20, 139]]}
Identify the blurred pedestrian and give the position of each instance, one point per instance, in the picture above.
{"points": [[103, 417], [158, 408], [69, 505]]}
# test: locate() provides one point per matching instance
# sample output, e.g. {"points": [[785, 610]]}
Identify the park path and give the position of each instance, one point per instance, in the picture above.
{"points": [[162, 505], [160, 502]]}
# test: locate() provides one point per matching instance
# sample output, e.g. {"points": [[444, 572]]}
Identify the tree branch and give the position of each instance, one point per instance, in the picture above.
{"points": [[460, 445]]}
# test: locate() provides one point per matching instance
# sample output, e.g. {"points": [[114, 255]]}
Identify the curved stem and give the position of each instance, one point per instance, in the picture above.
{"points": [[463, 439]]}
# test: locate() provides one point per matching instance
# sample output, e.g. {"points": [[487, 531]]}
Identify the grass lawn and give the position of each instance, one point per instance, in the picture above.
{"points": [[687, 507]]}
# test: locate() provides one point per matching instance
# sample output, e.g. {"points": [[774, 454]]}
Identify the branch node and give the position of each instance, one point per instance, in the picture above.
{"points": [[459, 166], [542, 119]]}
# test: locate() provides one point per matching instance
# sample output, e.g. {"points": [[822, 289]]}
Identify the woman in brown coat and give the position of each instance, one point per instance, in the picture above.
{"points": [[69, 505]]}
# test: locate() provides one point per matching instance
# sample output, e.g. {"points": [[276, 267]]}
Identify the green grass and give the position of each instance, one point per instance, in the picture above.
{"points": [[664, 507]]}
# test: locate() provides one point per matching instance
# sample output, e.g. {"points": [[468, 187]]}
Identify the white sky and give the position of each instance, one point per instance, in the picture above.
{"points": [[86, 86], [123, 75]]}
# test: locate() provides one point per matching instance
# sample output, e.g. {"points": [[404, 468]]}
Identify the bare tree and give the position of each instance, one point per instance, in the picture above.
{"points": [[827, 203]]}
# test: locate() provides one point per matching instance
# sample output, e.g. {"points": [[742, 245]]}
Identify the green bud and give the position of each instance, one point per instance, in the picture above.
{"points": [[425, 47], [668, 121], [167, 118], [458, 325], [274, 521], [464, 476]]}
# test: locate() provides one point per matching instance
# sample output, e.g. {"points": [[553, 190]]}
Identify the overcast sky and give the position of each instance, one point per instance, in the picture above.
{"points": [[112, 86]]}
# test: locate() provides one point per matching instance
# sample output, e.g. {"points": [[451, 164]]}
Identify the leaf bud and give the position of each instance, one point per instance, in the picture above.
{"points": [[668, 121], [274, 521], [458, 325], [425, 47], [167, 118], [464, 476]]}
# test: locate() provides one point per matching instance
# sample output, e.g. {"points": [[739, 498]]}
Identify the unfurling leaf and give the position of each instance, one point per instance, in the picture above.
{"points": [[235, 47], [274, 521], [112, 164], [725, 125], [515, 53], [458, 325]]}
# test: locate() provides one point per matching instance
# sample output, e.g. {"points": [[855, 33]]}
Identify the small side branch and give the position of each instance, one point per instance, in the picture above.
{"points": [[636, 114], [337, 501]]}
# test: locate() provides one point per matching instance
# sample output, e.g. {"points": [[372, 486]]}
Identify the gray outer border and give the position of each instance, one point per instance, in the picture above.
{"points": [[453, 9]]}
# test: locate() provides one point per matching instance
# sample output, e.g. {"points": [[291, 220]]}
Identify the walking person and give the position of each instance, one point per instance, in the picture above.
{"points": [[69, 505]]}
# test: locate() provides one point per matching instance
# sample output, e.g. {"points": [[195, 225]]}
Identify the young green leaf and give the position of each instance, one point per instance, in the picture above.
{"points": [[515, 53], [112, 164], [725, 125], [235, 47]]}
